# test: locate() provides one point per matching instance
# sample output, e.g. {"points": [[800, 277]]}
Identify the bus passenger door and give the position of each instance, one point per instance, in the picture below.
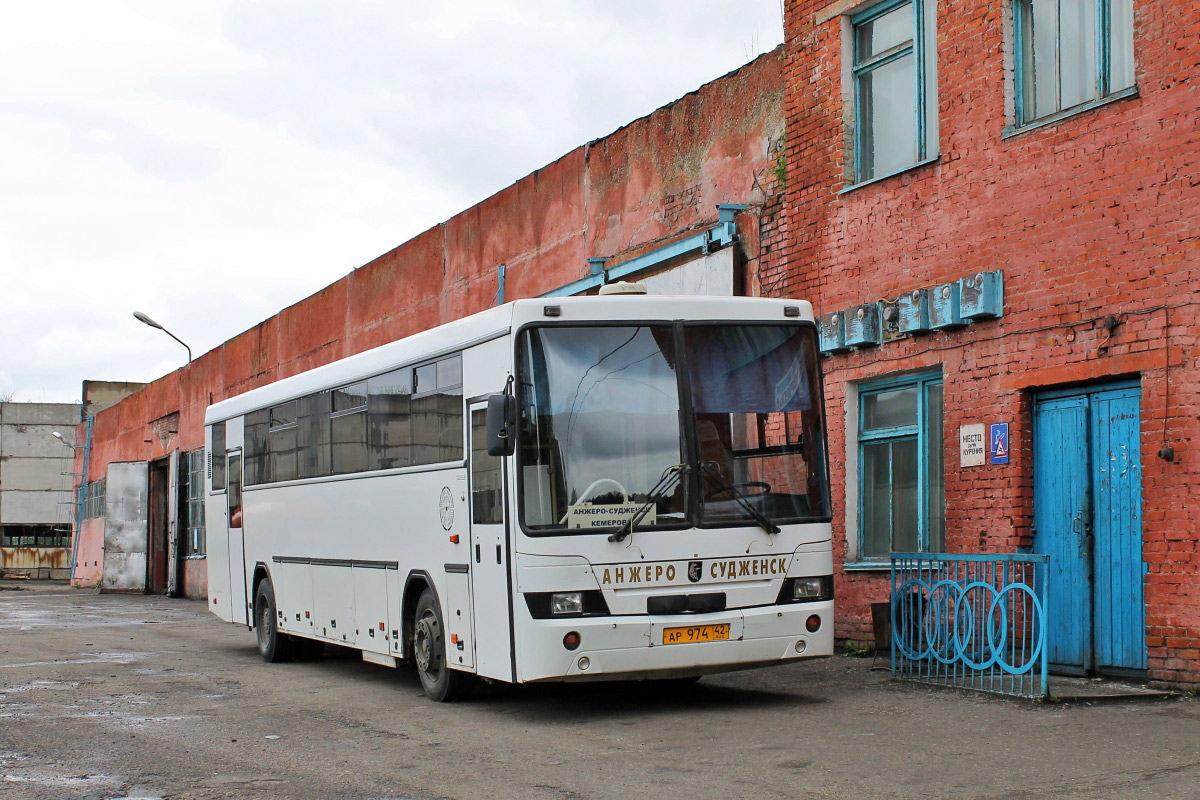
{"points": [[489, 554]]}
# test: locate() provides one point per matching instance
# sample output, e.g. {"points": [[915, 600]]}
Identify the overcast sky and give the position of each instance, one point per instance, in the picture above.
{"points": [[210, 163]]}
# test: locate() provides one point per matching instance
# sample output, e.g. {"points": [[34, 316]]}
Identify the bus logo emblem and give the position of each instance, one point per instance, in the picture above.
{"points": [[695, 568], [446, 508]]}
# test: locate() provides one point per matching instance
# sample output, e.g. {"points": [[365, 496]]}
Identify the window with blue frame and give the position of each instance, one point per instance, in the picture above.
{"points": [[895, 82], [193, 488], [1070, 53], [900, 467]]}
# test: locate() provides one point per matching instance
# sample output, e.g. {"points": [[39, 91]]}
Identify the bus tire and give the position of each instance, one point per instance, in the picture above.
{"points": [[441, 684], [273, 645]]}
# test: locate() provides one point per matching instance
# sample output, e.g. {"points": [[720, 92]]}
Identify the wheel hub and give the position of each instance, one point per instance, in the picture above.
{"points": [[425, 646]]}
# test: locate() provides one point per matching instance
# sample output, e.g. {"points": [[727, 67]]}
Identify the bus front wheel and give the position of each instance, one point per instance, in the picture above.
{"points": [[441, 684], [273, 645]]}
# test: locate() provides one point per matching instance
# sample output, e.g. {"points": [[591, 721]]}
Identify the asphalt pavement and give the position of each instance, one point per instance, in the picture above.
{"points": [[128, 696]]}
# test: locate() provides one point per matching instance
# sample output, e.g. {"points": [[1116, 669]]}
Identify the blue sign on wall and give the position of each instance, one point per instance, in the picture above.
{"points": [[999, 443]]}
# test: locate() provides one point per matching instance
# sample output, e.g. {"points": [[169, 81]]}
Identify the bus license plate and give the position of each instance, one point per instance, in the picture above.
{"points": [[696, 633]]}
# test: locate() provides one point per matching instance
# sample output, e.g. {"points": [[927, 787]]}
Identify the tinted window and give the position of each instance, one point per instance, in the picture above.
{"points": [[486, 490], [257, 468], [349, 398], [437, 413], [283, 442], [313, 435], [389, 399], [348, 429]]}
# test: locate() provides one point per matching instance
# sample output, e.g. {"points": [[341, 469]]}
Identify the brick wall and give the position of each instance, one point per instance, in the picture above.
{"points": [[1091, 216], [652, 181]]}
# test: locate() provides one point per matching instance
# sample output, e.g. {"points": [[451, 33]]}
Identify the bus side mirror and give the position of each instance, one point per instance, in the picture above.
{"points": [[501, 425]]}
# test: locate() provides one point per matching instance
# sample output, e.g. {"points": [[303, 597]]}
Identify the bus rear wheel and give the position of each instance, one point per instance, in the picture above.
{"points": [[273, 645], [441, 684]]}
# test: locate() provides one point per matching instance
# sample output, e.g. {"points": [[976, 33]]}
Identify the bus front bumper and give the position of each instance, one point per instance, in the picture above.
{"points": [[632, 647]]}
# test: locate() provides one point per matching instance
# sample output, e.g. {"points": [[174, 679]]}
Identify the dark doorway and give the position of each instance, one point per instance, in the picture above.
{"points": [[156, 556]]}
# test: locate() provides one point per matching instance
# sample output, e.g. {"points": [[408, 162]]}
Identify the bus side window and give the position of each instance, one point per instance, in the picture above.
{"points": [[349, 429], [283, 439], [256, 454], [389, 398], [437, 412], [313, 444]]}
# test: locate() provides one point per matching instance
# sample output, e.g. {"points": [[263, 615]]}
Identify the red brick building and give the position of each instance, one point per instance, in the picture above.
{"points": [[651, 188], [929, 142], [1006, 191]]}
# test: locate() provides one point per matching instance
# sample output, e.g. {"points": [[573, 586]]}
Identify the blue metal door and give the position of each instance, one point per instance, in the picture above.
{"points": [[1060, 522], [1087, 518], [1118, 571]]}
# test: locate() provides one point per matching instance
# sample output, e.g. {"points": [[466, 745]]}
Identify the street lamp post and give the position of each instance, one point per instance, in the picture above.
{"points": [[62, 439], [140, 317]]}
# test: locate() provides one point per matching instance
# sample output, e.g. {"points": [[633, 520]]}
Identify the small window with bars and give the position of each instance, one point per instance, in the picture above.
{"points": [[193, 488]]}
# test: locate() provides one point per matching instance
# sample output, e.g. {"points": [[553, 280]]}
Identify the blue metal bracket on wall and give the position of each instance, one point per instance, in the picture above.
{"points": [[723, 234]]}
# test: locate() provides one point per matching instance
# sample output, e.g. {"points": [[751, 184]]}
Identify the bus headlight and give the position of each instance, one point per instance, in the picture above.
{"points": [[807, 588], [580, 603], [566, 603]]}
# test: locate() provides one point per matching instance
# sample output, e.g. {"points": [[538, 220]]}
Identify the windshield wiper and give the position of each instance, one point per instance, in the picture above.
{"points": [[666, 483], [722, 485]]}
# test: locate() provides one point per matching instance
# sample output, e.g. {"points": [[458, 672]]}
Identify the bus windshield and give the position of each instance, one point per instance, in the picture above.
{"points": [[600, 425], [604, 436], [756, 412]]}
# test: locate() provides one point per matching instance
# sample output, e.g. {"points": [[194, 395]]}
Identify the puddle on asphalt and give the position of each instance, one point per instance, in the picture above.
{"points": [[129, 657], [57, 779], [34, 686]]}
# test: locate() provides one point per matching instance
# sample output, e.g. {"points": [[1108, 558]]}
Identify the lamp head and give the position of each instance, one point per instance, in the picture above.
{"points": [[140, 317]]}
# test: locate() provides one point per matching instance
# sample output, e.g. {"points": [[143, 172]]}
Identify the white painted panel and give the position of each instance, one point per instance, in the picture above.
{"points": [[292, 583], [711, 275], [333, 603], [456, 606], [370, 608]]}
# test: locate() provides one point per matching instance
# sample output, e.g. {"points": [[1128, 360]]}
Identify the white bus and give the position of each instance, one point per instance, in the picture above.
{"points": [[611, 487]]}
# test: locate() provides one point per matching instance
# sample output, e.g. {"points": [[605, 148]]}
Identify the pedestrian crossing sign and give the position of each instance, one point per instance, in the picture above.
{"points": [[999, 443]]}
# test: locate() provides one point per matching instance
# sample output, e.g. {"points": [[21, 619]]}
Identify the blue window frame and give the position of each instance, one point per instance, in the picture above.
{"points": [[894, 82], [1070, 54], [193, 486], [900, 467]]}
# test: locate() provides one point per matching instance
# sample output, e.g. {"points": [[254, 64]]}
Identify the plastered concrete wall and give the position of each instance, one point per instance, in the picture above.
{"points": [[35, 468], [1091, 216], [655, 180]]}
